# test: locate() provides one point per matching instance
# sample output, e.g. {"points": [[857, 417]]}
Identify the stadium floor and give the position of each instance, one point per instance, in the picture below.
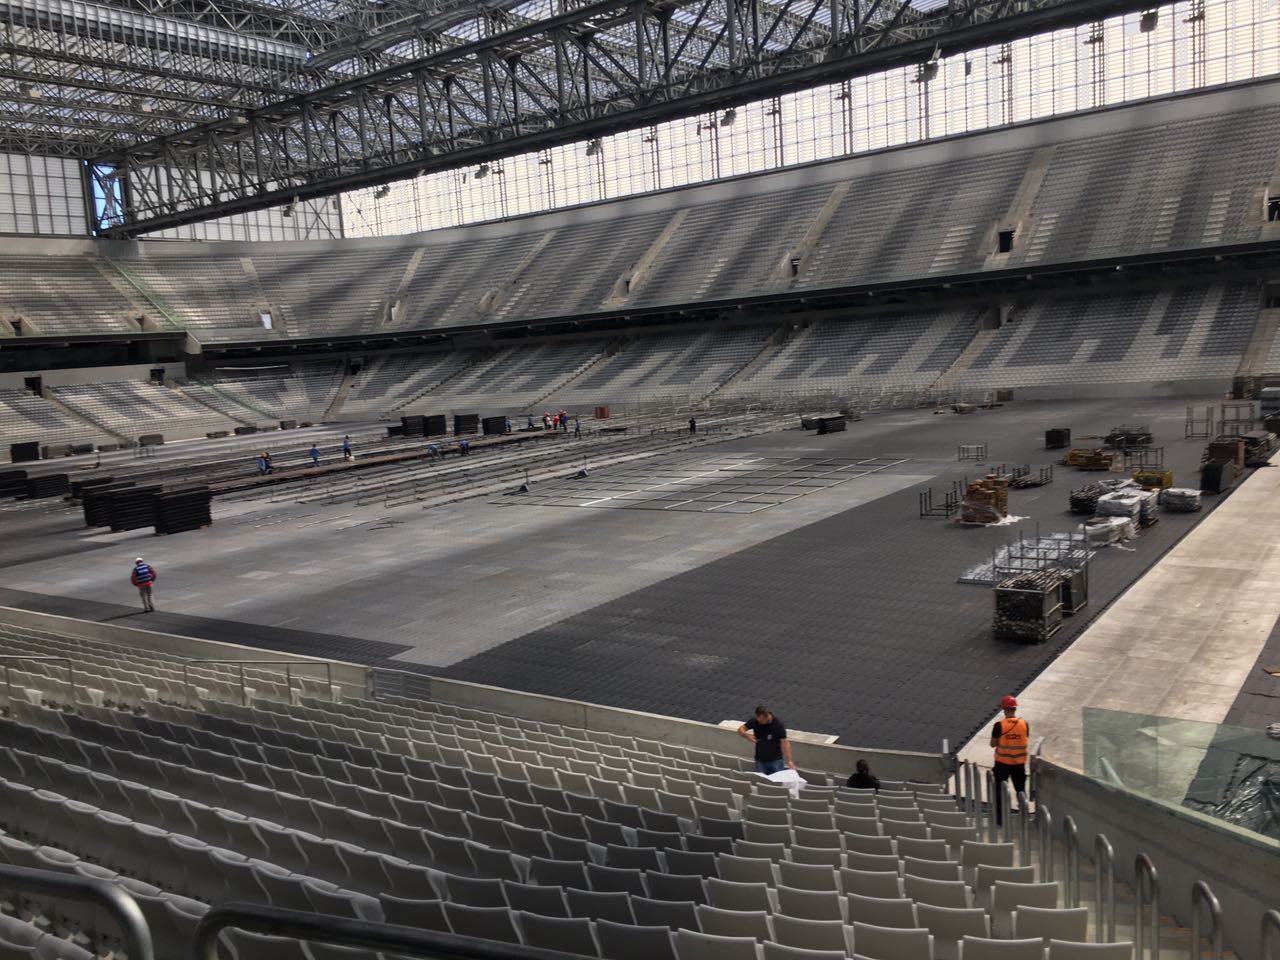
{"points": [[834, 602]]}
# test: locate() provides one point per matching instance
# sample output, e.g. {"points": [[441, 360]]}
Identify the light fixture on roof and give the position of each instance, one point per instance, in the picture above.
{"points": [[382, 191], [240, 120], [29, 91], [482, 171], [289, 208], [1149, 21], [729, 116], [593, 147]]}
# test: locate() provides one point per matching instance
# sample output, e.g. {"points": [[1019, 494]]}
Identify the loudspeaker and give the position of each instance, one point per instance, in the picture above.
{"points": [[24, 452]]}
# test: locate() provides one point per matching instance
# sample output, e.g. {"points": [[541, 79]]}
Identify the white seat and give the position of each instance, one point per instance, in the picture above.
{"points": [[940, 893], [868, 883], [1007, 897]]}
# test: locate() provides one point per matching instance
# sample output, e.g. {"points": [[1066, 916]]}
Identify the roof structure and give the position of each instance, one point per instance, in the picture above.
{"points": [[192, 109]]}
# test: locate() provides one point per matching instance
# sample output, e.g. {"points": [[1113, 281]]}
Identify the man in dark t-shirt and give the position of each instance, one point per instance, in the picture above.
{"points": [[773, 749]]}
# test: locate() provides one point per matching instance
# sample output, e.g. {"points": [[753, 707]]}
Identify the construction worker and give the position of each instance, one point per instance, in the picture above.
{"points": [[1009, 739]]}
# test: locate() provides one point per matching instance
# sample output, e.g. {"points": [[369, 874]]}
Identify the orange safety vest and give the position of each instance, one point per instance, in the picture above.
{"points": [[1011, 746]]}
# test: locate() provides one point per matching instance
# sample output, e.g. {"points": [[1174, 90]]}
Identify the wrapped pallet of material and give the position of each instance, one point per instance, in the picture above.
{"points": [[1149, 501], [985, 500], [1181, 500], [1101, 531], [1121, 503]]}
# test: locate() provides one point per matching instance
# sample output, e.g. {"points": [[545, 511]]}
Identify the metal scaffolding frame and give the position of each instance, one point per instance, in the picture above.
{"points": [[518, 77]]}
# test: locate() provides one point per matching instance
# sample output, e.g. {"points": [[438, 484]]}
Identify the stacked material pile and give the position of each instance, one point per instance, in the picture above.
{"points": [[1029, 606], [1148, 501], [985, 500], [1101, 531], [1119, 503], [178, 510], [1181, 500], [49, 485], [1084, 499]]}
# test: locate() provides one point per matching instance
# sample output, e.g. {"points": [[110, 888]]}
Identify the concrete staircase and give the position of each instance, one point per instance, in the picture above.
{"points": [[339, 398], [949, 377]]}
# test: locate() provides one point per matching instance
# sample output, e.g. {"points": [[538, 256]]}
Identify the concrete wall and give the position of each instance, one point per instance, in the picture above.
{"points": [[1144, 389], [1242, 867], [648, 727], [63, 378], [355, 680]]}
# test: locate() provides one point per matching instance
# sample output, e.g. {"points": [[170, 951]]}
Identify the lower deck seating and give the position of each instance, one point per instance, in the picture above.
{"points": [[464, 821], [134, 407]]}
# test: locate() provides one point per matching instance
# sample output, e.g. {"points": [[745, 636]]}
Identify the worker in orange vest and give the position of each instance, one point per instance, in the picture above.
{"points": [[1009, 739]]}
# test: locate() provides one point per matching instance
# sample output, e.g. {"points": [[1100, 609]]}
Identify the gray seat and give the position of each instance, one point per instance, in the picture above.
{"points": [[882, 911], [1048, 923], [619, 941], [734, 923], [675, 914], [564, 873], [635, 858], [891, 943], [832, 857], [674, 886], [566, 934], [597, 905], [1070, 950], [807, 876], [940, 893], [610, 879], [1007, 897], [485, 923], [950, 925], [475, 891], [526, 841], [694, 864], [547, 901], [931, 869], [425, 914], [810, 904], [246, 945], [868, 883], [980, 948], [732, 895], [777, 951], [746, 869], [811, 934], [691, 945]]}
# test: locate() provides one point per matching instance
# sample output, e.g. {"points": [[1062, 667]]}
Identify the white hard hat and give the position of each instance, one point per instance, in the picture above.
{"points": [[138, 560]]}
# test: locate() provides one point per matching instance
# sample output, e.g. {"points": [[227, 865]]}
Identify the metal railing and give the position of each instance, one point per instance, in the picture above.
{"points": [[1270, 934], [1146, 908], [241, 664], [121, 907], [1044, 831], [1071, 861], [1104, 860], [1202, 896], [300, 925], [8, 660]]}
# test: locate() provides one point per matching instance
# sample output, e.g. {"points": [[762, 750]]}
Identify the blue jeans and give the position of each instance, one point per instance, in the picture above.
{"points": [[770, 766]]}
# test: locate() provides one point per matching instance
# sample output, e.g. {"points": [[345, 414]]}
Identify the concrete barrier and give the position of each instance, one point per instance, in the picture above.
{"points": [[1241, 866]]}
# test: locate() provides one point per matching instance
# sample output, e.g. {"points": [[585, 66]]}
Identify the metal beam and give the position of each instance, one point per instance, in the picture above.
{"points": [[616, 65]]}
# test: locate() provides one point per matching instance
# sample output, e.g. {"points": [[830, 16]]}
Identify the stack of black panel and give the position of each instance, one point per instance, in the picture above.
{"points": [[178, 510], [494, 426], [830, 424], [24, 452], [78, 485], [245, 430], [1058, 438], [1217, 476], [414, 426], [50, 485], [435, 425], [131, 508], [465, 424], [13, 483], [96, 502]]}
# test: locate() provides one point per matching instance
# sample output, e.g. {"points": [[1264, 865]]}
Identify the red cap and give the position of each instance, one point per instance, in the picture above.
{"points": [[1009, 703]]}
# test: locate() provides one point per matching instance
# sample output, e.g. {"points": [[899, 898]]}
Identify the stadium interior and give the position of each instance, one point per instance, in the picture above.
{"points": [[886, 360]]}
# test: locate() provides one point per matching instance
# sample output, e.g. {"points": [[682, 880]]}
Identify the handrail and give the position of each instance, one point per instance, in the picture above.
{"points": [[244, 692], [1071, 840], [1270, 930], [1203, 896], [117, 903], [1105, 855], [302, 925], [1146, 884], [1044, 829], [8, 685], [1024, 823]]}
